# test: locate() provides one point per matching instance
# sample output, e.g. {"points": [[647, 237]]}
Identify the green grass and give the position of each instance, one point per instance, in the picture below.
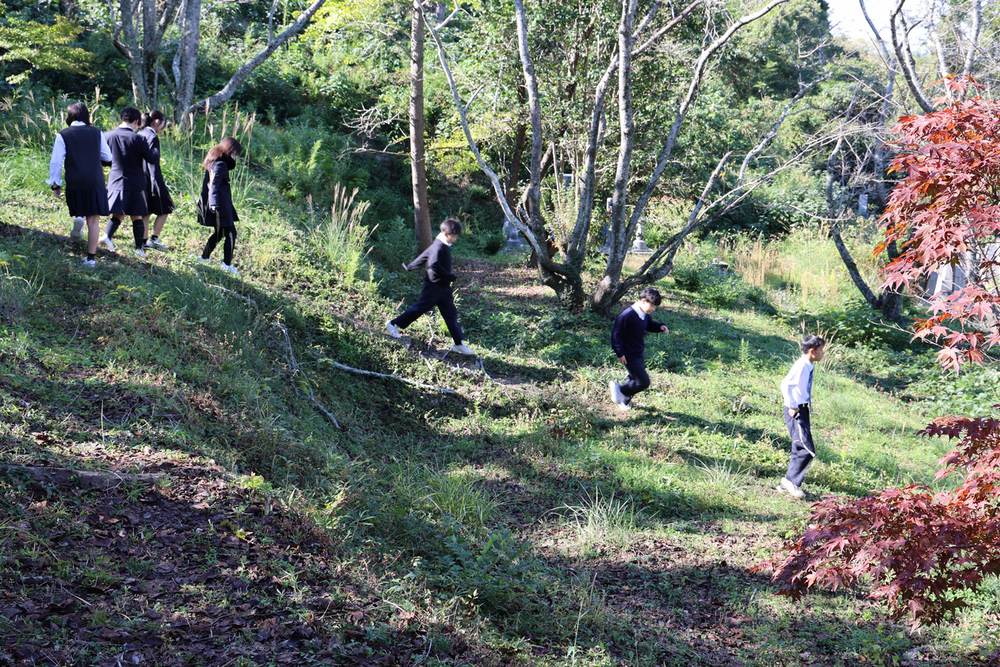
{"points": [[526, 513]]}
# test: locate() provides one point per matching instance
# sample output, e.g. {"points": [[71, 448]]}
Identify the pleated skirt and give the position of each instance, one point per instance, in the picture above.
{"points": [[131, 204], [82, 203]]}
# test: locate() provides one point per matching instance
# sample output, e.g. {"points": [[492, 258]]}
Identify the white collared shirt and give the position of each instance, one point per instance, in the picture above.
{"points": [[59, 156], [443, 238], [637, 308], [796, 388]]}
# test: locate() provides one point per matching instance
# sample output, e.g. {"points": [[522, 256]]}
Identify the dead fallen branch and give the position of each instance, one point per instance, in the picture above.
{"points": [[358, 371], [295, 369], [83, 479]]}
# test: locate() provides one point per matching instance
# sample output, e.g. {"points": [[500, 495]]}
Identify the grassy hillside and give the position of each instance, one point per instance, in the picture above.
{"points": [[519, 520]]}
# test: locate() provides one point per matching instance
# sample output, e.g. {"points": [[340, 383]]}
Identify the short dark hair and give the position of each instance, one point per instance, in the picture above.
{"points": [[811, 343], [77, 111], [451, 226], [130, 115], [652, 295]]}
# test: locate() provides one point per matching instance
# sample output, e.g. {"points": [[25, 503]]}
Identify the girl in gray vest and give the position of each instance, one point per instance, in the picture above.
{"points": [[81, 148]]}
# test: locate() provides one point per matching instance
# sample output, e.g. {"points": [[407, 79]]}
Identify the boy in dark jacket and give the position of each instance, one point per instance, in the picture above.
{"points": [[437, 286], [628, 340]]}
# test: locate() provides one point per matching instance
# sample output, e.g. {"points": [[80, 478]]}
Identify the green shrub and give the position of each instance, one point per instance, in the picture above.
{"points": [[722, 289], [494, 242]]}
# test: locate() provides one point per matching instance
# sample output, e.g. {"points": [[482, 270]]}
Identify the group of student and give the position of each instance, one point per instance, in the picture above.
{"points": [[135, 187], [628, 341]]}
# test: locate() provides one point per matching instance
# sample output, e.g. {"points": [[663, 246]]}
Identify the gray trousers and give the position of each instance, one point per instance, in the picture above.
{"points": [[803, 449]]}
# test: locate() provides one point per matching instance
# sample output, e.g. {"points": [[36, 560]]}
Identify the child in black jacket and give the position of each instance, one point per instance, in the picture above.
{"points": [[437, 287], [628, 340]]}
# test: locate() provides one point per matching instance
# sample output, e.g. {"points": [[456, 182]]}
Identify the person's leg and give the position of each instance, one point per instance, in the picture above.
{"points": [[446, 306], [213, 240], [803, 451], [158, 225], [429, 296], [93, 233], [114, 223], [229, 233], [138, 229], [638, 378], [145, 229]]}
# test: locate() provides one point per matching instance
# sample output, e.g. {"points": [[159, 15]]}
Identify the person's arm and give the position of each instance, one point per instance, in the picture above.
{"points": [[617, 337], [656, 327], [150, 154], [419, 261], [105, 151], [220, 176], [794, 387], [56, 162]]}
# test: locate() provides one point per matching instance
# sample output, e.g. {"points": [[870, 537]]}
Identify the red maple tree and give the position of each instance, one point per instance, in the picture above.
{"points": [[918, 550], [946, 211]]}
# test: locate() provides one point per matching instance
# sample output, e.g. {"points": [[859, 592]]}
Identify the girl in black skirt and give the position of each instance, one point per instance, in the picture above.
{"points": [[217, 197], [126, 182], [82, 148], [157, 196]]}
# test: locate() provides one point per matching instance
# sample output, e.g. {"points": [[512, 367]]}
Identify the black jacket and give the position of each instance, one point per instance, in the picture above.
{"points": [[437, 257], [219, 195], [129, 152], [628, 337]]}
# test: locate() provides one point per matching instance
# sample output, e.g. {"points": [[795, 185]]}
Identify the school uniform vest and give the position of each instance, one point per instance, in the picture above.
{"points": [[83, 170]]}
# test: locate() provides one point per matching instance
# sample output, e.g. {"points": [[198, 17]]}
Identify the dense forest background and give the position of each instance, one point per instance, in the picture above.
{"points": [[335, 96]]}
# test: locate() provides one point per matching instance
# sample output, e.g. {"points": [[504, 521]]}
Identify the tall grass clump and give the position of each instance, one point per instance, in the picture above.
{"points": [[602, 519], [342, 239]]}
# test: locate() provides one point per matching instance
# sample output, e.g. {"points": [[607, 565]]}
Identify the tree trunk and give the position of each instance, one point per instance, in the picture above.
{"points": [[188, 49], [418, 172], [247, 68]]}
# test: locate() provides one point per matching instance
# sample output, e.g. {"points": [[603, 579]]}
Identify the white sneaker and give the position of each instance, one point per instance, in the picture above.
{"points": [[461, 348], [77, 233], [624, 407], [393, 330], [155, 244], [107, 242], [616, 393], [204, 260], [89, 263], [230, 269], [140, 253], [787, 487]]}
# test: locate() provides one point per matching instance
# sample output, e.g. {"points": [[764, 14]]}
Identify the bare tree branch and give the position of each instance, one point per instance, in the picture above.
{"points": [[905, 58]]}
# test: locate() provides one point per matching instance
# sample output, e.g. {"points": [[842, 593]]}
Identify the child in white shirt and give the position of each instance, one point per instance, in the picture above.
{"points": [[796, 389]]}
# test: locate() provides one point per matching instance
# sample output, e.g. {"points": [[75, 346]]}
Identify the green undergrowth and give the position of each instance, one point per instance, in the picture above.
{"points": [[523, 510]]}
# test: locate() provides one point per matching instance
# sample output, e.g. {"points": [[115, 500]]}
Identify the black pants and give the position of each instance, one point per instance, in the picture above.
{"points": [[638, 378], [803, 449], [434, 295], [227, 233]]}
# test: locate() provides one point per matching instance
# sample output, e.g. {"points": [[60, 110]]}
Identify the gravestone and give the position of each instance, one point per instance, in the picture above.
{"points": [[513, 237]]}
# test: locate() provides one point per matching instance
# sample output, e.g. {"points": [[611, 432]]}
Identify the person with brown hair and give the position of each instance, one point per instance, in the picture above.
{"points": [[82, 148], [157, 195], [217, 198]]}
